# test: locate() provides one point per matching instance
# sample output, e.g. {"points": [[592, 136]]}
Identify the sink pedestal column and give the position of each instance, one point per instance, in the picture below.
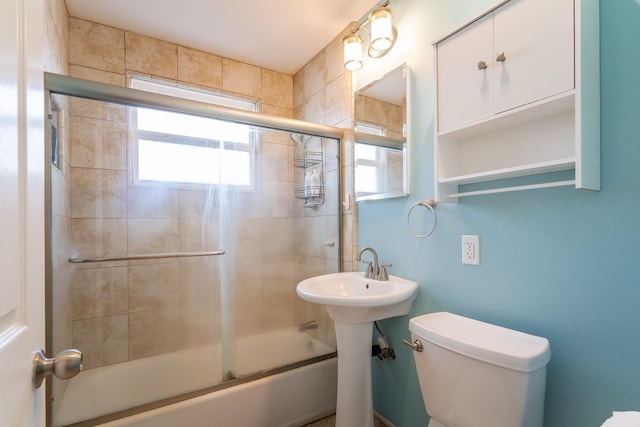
{"points": [[354, 407]]}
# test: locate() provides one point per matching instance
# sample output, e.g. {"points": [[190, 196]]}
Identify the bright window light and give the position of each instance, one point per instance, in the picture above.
{"points": [[181, 148], [366, 178]]}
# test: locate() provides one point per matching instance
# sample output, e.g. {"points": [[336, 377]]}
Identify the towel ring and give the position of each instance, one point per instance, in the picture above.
{"points": [[430, 204]]}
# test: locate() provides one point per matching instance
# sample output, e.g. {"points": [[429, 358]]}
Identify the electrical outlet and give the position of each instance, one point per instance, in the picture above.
{"points": [[471, 250]]}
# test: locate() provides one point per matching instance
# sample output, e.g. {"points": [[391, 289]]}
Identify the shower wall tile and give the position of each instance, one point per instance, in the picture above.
{"points": [[279, 273], [277, 199], [155, 332], [198, 236], [395, 118], [277, 89], [241, 78], [154, 287], [194, 203], [99, 292], [153, 235], [201, 302], [299, 93], [314, 108], [143, 202], [279, 310], [278, 236], [99, 110], [276, 162], [95, 75], [315, 234], [332, 199], [249, 239], [104, 340], [338, 93], [331, 152], [98, 144], [58, 16], [201, 68], [98, 237], [98, 193], [315, 75], [149, 55], [96, 46], [331, 235], [55, 40], [249, 204], [280, 112], [249, 297]]}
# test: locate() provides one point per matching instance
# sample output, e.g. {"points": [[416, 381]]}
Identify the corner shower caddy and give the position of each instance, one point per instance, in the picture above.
{"points": [[310, 161]]}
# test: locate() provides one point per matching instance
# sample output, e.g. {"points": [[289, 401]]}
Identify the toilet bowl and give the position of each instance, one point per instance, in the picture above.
{"points": [[476, 374]]}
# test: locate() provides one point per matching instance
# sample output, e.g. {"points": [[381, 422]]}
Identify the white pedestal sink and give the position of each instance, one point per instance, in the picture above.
{"points": [[353, 303]]}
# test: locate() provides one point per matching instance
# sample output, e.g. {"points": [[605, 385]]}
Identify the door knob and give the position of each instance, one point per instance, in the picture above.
{"points": [[500, 56], [67, 364]]}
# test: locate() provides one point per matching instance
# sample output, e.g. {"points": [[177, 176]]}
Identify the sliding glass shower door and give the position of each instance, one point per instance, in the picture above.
{"points": [[176, 244]]}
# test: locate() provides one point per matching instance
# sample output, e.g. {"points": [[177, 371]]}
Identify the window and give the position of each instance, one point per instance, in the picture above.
{"points": [[185, 149], [369, 162]]}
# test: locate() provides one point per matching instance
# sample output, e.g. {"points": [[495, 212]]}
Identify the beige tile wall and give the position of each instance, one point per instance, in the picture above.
{"points": [[129, 310], [384, 114], [322, 92]]}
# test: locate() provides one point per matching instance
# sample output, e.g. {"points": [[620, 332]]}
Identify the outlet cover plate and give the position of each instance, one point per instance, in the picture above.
{"points": [[471, 249]]}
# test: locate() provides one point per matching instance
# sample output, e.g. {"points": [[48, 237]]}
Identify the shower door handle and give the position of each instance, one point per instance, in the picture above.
{"points": [[67, 364]]}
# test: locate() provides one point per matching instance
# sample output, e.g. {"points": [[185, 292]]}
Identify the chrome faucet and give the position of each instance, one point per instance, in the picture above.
{"points": [[373, 269]]}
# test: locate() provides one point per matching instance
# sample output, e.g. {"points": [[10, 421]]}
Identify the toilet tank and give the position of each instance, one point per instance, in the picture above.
{"points": [[474, 374]]}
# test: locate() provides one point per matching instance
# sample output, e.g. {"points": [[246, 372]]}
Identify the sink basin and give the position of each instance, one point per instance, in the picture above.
{"points": [[354, 303], [349, 297]]}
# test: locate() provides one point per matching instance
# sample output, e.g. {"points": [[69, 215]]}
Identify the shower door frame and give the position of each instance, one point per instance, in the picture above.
{"points": [[56, 84]]}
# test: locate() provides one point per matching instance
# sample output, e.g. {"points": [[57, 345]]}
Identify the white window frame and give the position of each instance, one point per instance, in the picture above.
{"points": [[379, 163], [193, 93]]}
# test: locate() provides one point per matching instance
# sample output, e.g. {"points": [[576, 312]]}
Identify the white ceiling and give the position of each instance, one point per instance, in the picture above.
{"points": [[281, 35]]}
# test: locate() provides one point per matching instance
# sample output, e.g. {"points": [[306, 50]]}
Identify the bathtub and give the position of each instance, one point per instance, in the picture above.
{"points": [[289, 398]]}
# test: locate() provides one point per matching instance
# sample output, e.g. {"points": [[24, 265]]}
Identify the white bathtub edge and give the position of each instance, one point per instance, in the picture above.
{"points": [[288, 399]]}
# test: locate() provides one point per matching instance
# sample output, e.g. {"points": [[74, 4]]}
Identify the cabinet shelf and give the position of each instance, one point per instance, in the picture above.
{"points": [[534, 113], [527, 113], [512, 172]]}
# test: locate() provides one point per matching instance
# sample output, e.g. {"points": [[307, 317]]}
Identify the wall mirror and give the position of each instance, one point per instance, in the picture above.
{"points": [[381, 129]]}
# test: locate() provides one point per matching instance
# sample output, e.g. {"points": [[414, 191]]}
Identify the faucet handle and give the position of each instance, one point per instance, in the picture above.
{"points": [[368, 274], [383, 271]]}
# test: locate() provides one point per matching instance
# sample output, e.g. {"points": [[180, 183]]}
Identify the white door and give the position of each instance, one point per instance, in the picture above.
{"points": [[21, 210]]}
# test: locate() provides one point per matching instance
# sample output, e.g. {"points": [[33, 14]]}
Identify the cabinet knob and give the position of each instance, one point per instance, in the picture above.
{"points": [[482, 65], [500, 56]]}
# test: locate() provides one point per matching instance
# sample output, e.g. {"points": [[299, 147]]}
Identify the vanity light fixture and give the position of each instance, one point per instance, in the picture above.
{"points": [[382, 36]]}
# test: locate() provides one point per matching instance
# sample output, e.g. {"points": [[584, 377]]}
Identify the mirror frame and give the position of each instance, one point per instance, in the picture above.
{"points": [[388, 142]]}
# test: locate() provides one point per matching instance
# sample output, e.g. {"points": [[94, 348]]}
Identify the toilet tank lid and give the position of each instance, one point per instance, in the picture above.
{"points": [[483, 341]]}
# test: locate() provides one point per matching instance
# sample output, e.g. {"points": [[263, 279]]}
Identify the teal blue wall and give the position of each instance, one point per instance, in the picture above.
{"points": [[560, 263]]}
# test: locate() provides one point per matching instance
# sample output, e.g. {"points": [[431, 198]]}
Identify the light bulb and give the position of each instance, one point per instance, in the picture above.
{"points": [[381, 29], [352, 52]]}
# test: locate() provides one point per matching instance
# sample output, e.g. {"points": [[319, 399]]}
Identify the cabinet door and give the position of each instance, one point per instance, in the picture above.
{"points": [[465, 91], [536, 37]]}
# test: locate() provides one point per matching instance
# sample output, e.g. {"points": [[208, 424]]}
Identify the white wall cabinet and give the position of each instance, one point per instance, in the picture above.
{"points": [[518, 95]]}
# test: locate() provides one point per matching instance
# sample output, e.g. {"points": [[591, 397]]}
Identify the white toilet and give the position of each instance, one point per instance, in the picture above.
{"points": [[474, 374]]}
